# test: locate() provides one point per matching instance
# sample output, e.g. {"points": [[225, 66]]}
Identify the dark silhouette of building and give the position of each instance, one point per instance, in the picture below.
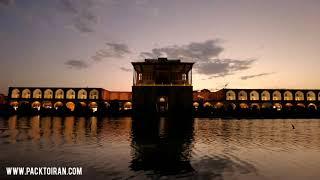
{"points": [[162, 86]]}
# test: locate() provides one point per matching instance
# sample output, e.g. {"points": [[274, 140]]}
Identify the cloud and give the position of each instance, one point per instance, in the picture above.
{"points": [[82, 13], [255, 75], [6, 2], [205, 54], [200, 51], [113, 50], [76, 64], [125, 69]]}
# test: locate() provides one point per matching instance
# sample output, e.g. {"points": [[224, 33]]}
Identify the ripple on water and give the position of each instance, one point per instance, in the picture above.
{"points": [[120, 148]]}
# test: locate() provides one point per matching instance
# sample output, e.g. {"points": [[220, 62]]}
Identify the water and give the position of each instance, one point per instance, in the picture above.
{"points": [[122, 148]]}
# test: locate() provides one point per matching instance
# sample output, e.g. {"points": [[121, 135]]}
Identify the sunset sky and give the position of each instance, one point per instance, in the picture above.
{"points": [[245, 43]]}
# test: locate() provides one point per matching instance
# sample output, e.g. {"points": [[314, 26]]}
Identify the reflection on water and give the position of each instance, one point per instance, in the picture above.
{"points": [[120, 148]]}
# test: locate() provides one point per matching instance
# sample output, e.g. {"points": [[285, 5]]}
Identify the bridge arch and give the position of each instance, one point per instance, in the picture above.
{"points": [[82, 94], [243, 106], [277, 106], [196, 105], [47, 104], [231, 95], [71, 106], [254, 96], [127, 105], [93, 106], [288, 96], [207, 104], [255, 106], [26, 93], [58, 105], [266, 105], [219, 105], [311, 96], [15, 93], [265, 96], [276, 96], [312, 106], [243, 96], [36, 105], [299, 96], [14, 105], [48, 94]]}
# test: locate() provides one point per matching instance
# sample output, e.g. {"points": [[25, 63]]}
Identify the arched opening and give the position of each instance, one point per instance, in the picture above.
{"points": [[231, 107], [218, 105], [243, 106], [276, 96], [58, 105], [82, 94], [93, 106], [311, 96], [47, 104], [36, 105], [254, 96], [94, 94], [196, 105], [288, 96], [127, 105], [301, 105], [48, 94], [243, 96], [37, 94], [299, 96], [288, 106], [207, 104], [231, 95], [15, 93], [70, 94], [265, 96], [71, 106], [277, 106], [26, 93], [83, 104], [14, 105], [59, 94], [266, 106], [312, 107], [255, 106]]}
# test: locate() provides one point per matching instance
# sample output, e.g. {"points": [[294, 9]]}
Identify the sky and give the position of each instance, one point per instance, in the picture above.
{"points": [[90, 43]]}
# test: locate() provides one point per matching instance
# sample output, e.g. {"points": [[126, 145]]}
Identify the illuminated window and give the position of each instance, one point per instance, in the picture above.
{"points": [[140, 77], [184, 77]]}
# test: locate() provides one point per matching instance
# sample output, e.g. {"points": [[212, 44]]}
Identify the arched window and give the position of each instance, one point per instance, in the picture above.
{"points": [[94, 94], [82, 94], [59, 94], [26, 93], [242, 95], [15, 93], [299, 96], [288, 96], [276, 96], [71, 94], [48, 94], [231, 95], [265, 96], [37, 94], [254, 95], [311, 96]]}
